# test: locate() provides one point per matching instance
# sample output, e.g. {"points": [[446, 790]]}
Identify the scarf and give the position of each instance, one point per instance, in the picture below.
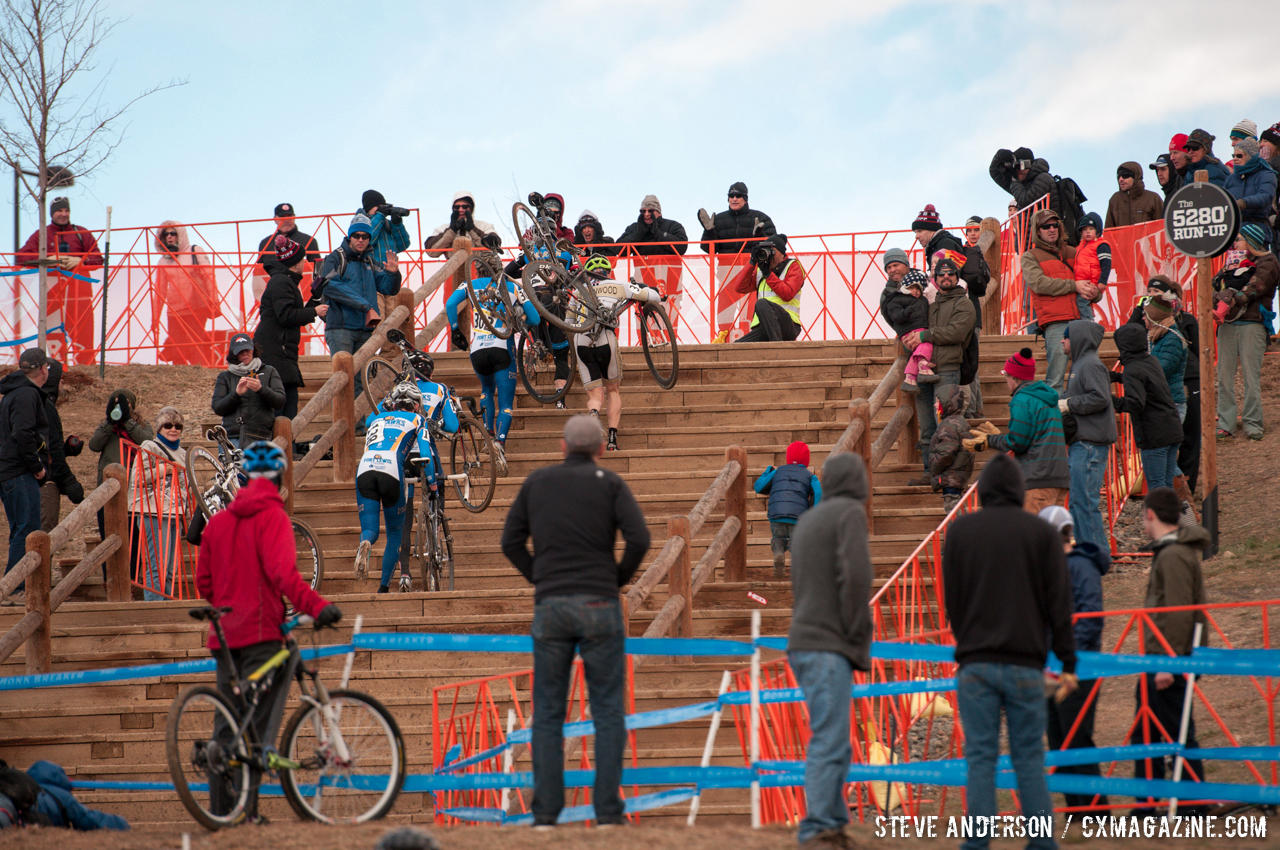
{"points": [[242, 370], [1160, 329], [171, 445]]}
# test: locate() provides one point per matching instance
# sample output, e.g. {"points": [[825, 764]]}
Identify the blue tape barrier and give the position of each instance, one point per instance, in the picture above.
{"points": [[26, 339], [870, 689], [53, 271], [572, 814]]}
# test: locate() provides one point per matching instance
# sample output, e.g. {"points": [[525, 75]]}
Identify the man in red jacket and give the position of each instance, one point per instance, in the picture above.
{"points": [[248, 562], [73, 250], [776, 279]]}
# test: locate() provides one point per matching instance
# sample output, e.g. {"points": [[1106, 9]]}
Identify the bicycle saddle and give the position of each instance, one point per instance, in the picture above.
{"points": [[209, 613]]}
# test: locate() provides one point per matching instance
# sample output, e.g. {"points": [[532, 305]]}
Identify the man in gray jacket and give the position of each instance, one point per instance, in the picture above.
{"points": [[1088, 400], [830, 636]]}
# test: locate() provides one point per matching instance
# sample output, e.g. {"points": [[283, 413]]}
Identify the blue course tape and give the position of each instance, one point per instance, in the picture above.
{"points": [[26, 339], [1226, 662], [441, 642], [871, 689], [885, 650], [52, 271], [642, 720], [687, 646], [572, 814]]}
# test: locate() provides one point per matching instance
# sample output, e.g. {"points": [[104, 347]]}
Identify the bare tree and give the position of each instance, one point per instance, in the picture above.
{"points": [[55, 111]]}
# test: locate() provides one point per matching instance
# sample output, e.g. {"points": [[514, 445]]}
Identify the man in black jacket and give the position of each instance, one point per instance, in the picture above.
{"points": [[60, 481], [286, 218], [1007, 592], [650, 227], [1157, 431], [574, 512], [24, 448], [737, 223]]}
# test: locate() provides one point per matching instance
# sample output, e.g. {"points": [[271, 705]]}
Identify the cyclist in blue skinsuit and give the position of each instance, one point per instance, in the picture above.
{"points": [[553, 336], [493, 359]]}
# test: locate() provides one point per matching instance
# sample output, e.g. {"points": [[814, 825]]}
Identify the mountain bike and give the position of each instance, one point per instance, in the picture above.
{"points": [[341, 757], [432, 542], [215, 479], [473, 458]]}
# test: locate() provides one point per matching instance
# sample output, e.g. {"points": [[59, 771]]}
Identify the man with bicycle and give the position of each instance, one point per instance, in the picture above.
{"points": [[248, 563], [599, 365]]}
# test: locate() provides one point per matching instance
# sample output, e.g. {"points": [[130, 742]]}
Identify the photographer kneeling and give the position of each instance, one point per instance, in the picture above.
{"points": [[776, 279]]}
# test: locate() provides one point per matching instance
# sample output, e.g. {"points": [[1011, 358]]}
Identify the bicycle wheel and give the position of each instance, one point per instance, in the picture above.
{"points": [[421, 550], [380, 376], [310, 556], [492, 311], [537, 367], [443, 547], [471, 452], [658, 339], [571, 305], [432, 574], [198, 761], [332, 789], [205, 474], [535, 241]]}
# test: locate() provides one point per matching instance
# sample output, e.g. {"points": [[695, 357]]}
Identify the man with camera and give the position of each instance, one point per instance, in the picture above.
{"points": [[1025, 177], [389, 236], [776, 279], [481, 233]]}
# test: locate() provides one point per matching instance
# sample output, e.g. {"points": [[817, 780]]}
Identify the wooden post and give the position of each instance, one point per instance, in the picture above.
{"points": [[283, 433], [344, 408], [116, 521], [679, 577], [735, 504], [1208, 397], [405, 299], [40, 644], [460, 277], [860, 408]]}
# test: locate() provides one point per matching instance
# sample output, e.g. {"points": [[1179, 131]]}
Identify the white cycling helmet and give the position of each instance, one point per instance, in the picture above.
{"points": [[405, 396]]}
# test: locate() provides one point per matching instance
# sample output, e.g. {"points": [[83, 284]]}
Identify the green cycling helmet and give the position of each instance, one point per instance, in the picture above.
{"points": [[599, 266]]}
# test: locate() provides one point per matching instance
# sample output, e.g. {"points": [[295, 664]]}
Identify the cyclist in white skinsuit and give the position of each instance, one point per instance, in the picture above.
{"points": [[598, 362]]}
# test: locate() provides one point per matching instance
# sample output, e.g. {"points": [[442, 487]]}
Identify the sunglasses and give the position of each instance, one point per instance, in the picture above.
{"points": [[1053, 226], [945, 274], [1237, 155], [171, 425], [552, 207], [359, 236], [461, 207], [733, 195], [165, 234], [650, 212], [1192, 146]]}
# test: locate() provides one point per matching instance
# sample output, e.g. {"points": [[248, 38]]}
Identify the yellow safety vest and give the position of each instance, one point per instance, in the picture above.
{"points": [[763, 291]]}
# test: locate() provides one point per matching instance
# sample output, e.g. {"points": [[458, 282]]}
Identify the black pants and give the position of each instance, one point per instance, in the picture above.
{"points": [[1189, 451], [266, 720], [1062, 716], [1166, 705], [290, 402], [776, 324]]}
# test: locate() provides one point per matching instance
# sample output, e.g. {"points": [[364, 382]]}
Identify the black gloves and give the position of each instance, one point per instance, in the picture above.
{"points": [[74, 492], [195, 530], [459, 339], [118, 411], [1005, 159], [461, 223], [328, 616], [72, 446], [492, 241]]}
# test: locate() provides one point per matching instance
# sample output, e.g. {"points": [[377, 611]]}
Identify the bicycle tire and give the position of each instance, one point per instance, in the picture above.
{"points": [[189, 745], [420, 551], [380, 376], [443, 547], [203, 471], [537, 359], [310, 556], [572, 297], [373, 740], [433, 560], [658, 339], [533, 238], [502, 330], [471, 452]]}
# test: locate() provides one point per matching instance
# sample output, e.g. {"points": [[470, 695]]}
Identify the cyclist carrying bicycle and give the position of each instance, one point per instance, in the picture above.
{"points": [[493, 359], [598, 363], [552, 336], [398, 434], [248, 563]]}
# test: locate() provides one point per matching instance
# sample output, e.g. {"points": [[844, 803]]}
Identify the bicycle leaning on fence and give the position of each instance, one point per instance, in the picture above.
{"points": [[215, 479], [341, 757]]}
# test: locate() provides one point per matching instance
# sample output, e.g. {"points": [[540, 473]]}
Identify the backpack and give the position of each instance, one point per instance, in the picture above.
{"points": [[969, 359], [319, 283], [1071, 202]]}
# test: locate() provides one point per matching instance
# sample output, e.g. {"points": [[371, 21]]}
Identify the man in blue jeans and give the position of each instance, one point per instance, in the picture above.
{"points": [[574, 511], [830, 637], [24, 450], [1007, 591], [1088, 400]]}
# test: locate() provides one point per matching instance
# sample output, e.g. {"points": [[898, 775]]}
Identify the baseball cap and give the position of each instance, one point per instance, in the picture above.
{"points": [[239, 343], [1057, 516], [1162, 161], [283, 210], [32, 359]]}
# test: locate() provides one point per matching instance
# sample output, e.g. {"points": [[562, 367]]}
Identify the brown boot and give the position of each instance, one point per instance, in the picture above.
{"points": [[1183, 490]]}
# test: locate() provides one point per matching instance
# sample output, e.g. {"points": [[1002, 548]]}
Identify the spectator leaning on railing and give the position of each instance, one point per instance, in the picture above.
{"points": [[589, 235], [461, 223], [650, 227], [155, 494]]}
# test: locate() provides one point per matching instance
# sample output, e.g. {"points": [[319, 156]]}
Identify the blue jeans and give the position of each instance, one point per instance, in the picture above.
{"points": [[21, 498], [593, 626], [1055, 358], [1160, 466], [347, 339], [827, 680], [1088, 463], [161, 536], [982, 690], [925, 410]]}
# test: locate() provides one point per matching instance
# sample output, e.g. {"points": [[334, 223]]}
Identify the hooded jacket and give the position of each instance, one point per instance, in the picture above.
{"points": [[1146, 399], [1047, 272], [737, 225], [184, 280], [24, 428], [950, 464], [831, 567], [441, 239], [1005, 578], [562, 232], [106, 438], [1038, 183], [1089, 390], [282, 314], [1093, 258], [352, 294], [1135, 206], [597, 245], [60, 473], [659, 230], [59, 805], [388, 235], [903, 312], [251, 416], [1176, 579], [1254, 182], [1087, 564], [248, 561], [1035, 436], [951, 321]]}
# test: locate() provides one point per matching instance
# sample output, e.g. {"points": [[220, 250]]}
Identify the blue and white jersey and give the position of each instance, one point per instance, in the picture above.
{"points": [[391, 438], [435, 405], [482, 337]]}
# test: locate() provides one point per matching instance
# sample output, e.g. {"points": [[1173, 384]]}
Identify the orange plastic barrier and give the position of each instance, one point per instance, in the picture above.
{"points": [[161, 505]]}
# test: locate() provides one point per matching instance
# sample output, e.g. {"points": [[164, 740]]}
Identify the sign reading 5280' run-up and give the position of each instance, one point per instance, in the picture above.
{"points": [[1201, 220]]}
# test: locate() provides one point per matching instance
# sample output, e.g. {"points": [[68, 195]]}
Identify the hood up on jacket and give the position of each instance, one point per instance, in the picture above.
{"points": [[1001, 483], [560, 199], [48, 773], [53, 386], [127, 395], [844, 474], [1136, 190], [1085, 337], [1095, 554], [950, 399], [184, 242], [15, 380], [255, 497], [1131, 339], [458, 196], [1040, 217]]}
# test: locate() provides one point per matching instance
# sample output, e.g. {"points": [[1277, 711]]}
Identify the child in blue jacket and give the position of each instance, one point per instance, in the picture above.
{"points": [[792, 490]]}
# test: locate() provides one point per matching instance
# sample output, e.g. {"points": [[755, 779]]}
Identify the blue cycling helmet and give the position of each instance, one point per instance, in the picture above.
{"points": [[263, 458]]}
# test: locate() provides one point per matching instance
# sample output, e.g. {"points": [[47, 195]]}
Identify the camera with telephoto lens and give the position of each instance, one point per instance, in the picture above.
{"points": [[762, 254], [388, 209]]}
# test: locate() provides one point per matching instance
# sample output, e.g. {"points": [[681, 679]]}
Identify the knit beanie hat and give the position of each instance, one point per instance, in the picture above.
{"points": [[973, 220], [1246, 129], [59, 204], [288, 252], [1256, 235], [360, 224], [1157, 310], [1272, 134], [1203, 138], [1178, 142], [1165, 284], [371, 198], [927, 219], [1023, 153], [1249, 147], [896, 255], [946, 264], [739, 188], [915, 277], [650, 202], [798, 452], [1021, 366]]}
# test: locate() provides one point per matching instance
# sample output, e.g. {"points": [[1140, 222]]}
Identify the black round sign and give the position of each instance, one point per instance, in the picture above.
{"points": [[1201, 220]]}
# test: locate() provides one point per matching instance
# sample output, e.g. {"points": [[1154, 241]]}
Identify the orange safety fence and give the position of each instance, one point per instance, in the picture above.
{"points": [[161, 505]]}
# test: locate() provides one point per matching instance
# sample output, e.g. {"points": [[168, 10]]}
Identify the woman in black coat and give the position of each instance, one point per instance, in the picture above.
{"points": [[281, 316]]}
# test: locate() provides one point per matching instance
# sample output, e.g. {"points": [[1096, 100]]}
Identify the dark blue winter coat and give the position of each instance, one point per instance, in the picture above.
{"points": [[1087, 564], [1255, 184], [792, 490], [352, 294], [61, 808]]}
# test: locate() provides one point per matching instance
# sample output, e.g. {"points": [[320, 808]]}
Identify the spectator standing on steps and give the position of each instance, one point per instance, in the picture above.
{"points": [[574, 512], [24, 448], [1166, 175], [1157, 431], [1133, 202], [60, 481], [737, 223], [282, 314], [154, 494], [248, 394], [792, 489], [1009, 601], [1088, 404], [1243, 340], [1252, 184], [122, 422], [830, 637], [1199, 148], [950, 463], [778, 280], [1047, 272]]}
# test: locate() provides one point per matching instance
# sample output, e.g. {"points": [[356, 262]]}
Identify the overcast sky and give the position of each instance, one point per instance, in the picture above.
{"points": [[839, 116]]}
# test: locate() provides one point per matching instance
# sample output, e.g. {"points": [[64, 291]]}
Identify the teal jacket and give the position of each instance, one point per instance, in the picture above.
{"points": [[1171, 351], [1035, 436]]}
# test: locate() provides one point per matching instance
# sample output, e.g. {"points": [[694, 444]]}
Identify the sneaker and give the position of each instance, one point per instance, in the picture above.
{"points": [[1187, 517], [1256, 435], [927, 376], [612, 445], [1224, 434], [406, 584], [909, 384], [16, 598], [779, 565], [383, 588], [949, 503], [594, 414], [362, 560], [560, 406], [500, 459]]}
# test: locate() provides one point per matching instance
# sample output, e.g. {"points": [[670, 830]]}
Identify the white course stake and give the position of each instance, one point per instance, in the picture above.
{"points": [[706, 750], [755, 716], [1186, 720], [508, 757], [351, 656]]}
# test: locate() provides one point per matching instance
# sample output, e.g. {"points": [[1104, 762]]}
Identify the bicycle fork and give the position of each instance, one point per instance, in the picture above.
{"points": [[326, 727]]}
